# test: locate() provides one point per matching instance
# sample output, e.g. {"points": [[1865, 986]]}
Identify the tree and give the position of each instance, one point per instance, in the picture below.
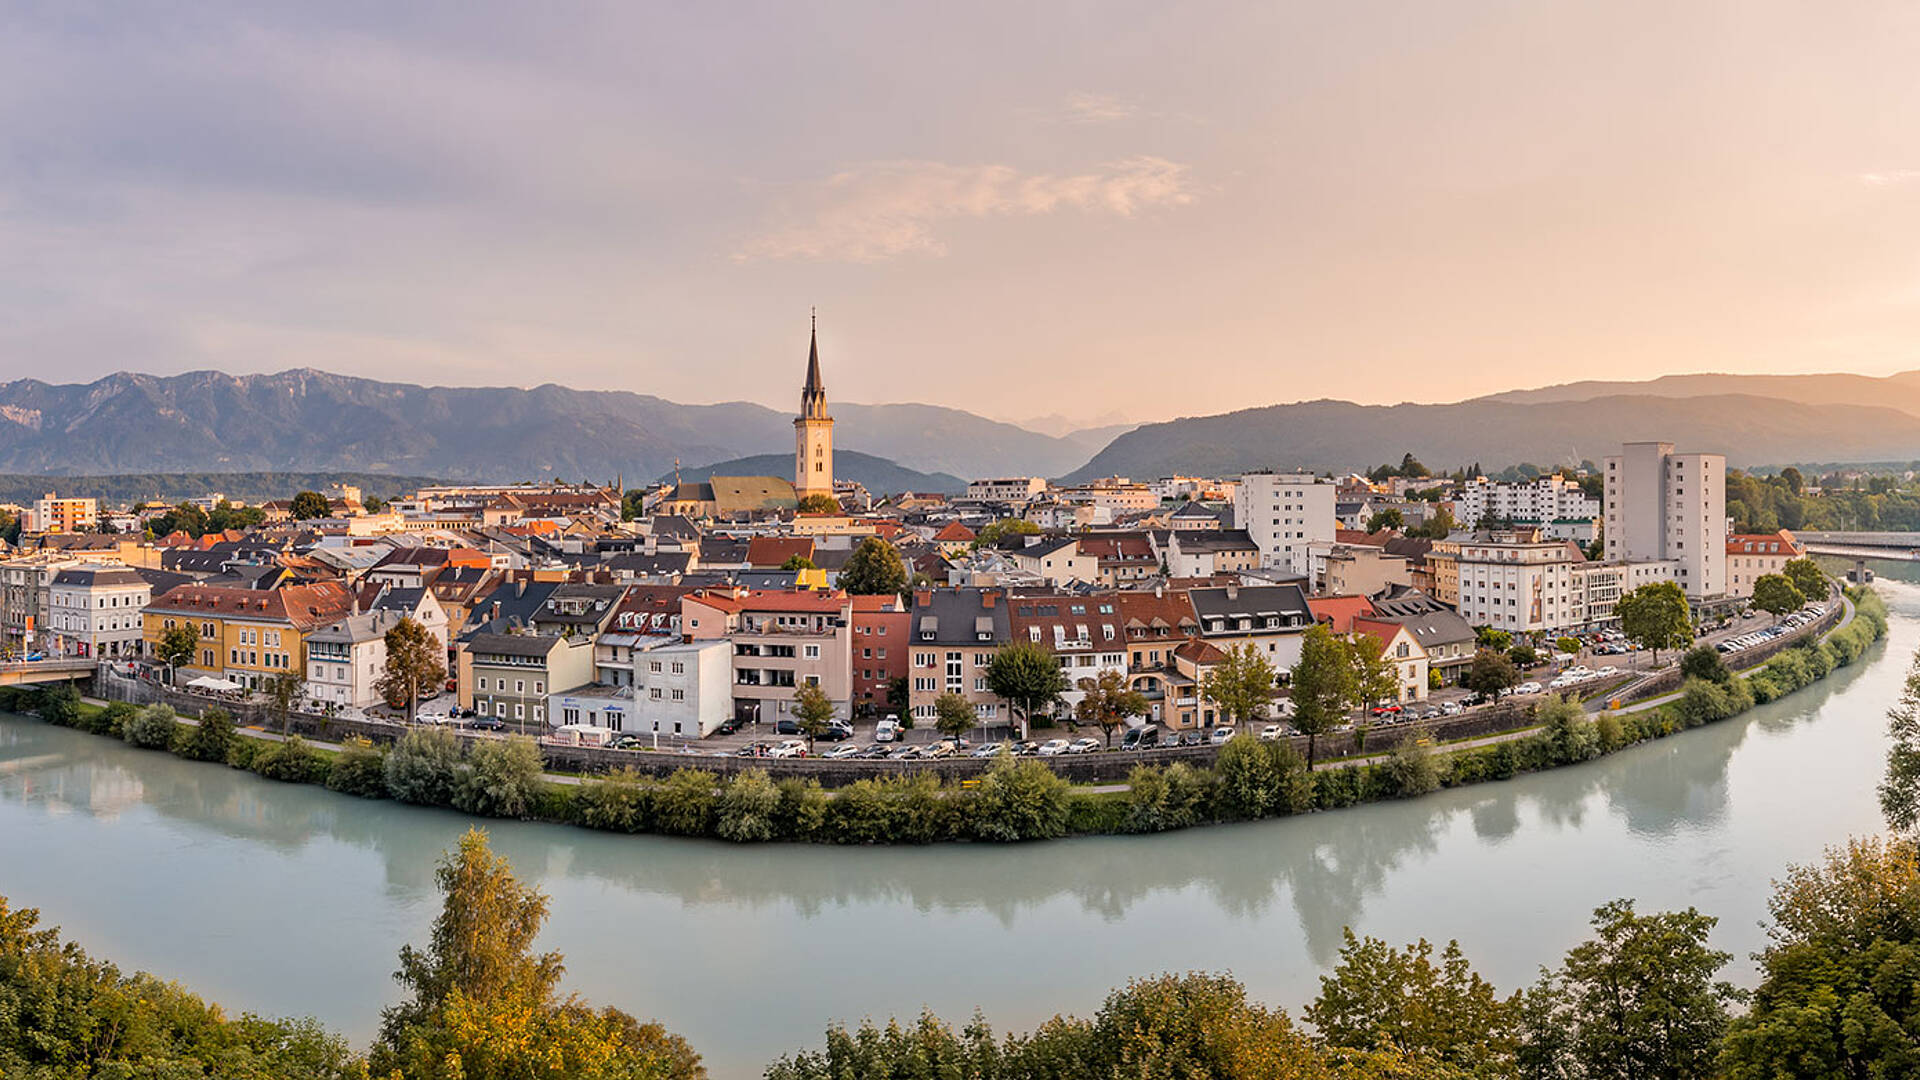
{"points": [[899, 689], [1490, 675], [1655, 616], [177, 646], [1109, 702], [415, 661], [797, 562], [1385, 519], [813, 711], [1900, 788], [424, 767], [994, 531], [1438, 524], [1376, 678], [1806, 576], [1241, 684], [1443, 1014], [1836, 991], [1703, 662], [952, 715], [1026, 674], [482, 1004], [1490, 638], [1639, 998], [282, 691], [1568, 644], [309, 505], [633, 505], [502, 778], [818, 504], [1775, 595], [1324, 689], [874, 569]]}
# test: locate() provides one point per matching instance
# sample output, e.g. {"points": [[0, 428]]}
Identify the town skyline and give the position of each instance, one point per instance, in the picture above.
{"points": [[1364, 205]]}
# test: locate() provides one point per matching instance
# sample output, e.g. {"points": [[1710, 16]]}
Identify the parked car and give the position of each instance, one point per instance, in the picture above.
{"points": [[1144, 737], [626, 742], [876, 751], [1193, 738], [1272, 733], [939, 750], [786, 727], [727, 727], [992, 750], [487, 723], [837, 730], [790, 748], [907, 753], [1221, 735], [887, 730], [1528, 687], [1054, 747], [839, 752], [1084, 746], [1450, 708]]}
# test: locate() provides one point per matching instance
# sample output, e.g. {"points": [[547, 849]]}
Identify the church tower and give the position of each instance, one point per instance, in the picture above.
{"points": [[813, 430]]}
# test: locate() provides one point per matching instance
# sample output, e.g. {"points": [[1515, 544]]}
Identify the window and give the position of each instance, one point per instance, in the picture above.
{"points": [[519, 711], [519, 686], [810, 652]]}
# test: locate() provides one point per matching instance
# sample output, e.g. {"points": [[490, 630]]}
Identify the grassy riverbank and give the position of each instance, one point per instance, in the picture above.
{"points": [[1018, 800]]}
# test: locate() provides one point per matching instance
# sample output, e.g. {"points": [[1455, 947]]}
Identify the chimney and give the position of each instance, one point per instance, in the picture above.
{"points": [[923, 596], [1233, 592], [987, 599], [1159, 592]]}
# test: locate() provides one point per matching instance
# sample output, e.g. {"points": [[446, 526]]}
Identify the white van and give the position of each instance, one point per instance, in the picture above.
{"points": [[886, 730]]}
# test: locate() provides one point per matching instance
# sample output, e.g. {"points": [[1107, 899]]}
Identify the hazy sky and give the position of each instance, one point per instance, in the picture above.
{"points": [[1021, 209]]}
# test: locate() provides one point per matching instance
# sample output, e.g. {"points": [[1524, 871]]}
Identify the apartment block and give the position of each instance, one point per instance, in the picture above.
{"points": [[1285, 513], [1663, 506]]}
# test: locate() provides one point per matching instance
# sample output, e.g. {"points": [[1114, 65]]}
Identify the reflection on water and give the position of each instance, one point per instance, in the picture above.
{"points": [[671, 927]]}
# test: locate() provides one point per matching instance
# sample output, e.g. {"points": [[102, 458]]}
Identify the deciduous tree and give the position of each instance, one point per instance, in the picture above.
{"points": [[1655, 616], [1027, 675], [874, 569], [1324, 690], [1109, 702], [177, 646], [1241, 683], [1490, 675], [818, 504], [952, 715], [309, 506], [415, 660], [1806, 576], [1775, 595], [813, 711]]}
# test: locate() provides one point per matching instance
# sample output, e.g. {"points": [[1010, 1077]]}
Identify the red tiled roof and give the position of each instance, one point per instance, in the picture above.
{"points": [[1339, 612], [302, 606], [955, 533], [772, 552]]}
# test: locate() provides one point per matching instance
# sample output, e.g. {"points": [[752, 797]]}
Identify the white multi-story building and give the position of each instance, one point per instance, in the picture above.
{"points": [[1010, 489], [1285, 513], [345, 659], [684, 690], [1543, 502], [1662, 506], [51, 513], [94, 610], [1520, 582]]}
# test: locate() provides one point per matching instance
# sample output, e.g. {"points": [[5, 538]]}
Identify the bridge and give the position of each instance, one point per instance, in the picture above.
{"points": [[53, 669], [1901, 546]]}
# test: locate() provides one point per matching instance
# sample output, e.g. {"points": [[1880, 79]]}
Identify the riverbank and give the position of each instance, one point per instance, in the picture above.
{"points": [[1017, 801]]}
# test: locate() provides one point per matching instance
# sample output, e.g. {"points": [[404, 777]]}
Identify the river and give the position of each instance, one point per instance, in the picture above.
{"points": [[292, 900]]}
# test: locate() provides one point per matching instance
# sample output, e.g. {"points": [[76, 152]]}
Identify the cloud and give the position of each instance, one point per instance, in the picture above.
{"points": [[1084, 108], [1890, 178], [884, 209]]}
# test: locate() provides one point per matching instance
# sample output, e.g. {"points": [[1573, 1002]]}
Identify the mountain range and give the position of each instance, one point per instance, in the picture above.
{"points": [[310, 420]]}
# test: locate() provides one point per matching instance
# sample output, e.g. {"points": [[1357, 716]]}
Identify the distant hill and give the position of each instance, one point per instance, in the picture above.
{"points": [[252, 487], [1338, 435], [1901, 391], [881, 477], [311, 420]]}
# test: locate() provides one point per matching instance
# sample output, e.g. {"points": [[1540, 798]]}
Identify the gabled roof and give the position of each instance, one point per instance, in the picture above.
{"points": [[772, 552], [1200, 653], [301, 606], [1380, 631], [955, 533]]}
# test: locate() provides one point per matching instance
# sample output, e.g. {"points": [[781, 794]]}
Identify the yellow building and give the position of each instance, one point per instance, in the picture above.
{"points": [[246, 636], [55, 514]]}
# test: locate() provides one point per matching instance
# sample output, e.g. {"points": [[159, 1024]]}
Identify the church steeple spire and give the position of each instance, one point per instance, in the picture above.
{"points": [[813, 396]]}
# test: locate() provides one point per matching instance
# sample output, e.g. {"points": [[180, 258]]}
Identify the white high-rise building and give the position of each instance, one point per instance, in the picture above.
{"points": [[1542, 502], [1285, 513], [1663, 506]]}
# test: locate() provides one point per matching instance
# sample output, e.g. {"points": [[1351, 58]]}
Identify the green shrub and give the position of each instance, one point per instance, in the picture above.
{"points": [[112, 719], [501, 777], [1703, 662], [1020, 799], [1410, 770], [1609, 732], [59, 704], [748, 808], [889, 809], [209, 740], [291, 760], [359, 769], [241, 751], [1703, 702], [1246, 782], [1103, 814], [616, 802], [1570, 736], [802, 814], [152, 728], [683, 804], [558, 803], [1335, 788], [424, 767]]}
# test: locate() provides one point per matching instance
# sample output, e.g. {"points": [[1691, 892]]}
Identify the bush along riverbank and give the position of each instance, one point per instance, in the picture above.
{"points": [[1019, 799]]}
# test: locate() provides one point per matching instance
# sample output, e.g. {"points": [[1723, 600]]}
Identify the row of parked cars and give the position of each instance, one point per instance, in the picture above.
{"points": [[1581, 673], [1784, 627]]}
